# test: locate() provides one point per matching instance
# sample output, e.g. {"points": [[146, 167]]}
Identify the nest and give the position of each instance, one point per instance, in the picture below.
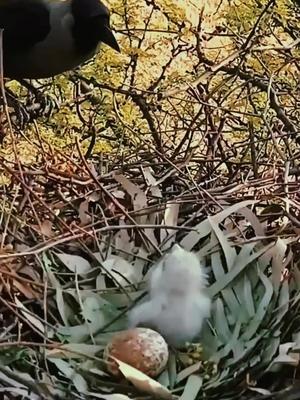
{"points": [[78, 241]]}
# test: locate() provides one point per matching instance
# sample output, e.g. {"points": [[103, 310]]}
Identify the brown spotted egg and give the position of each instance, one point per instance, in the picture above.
{"points": [[142, 348]]}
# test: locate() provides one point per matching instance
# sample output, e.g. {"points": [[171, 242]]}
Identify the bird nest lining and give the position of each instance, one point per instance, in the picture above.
{"points": [[90, 239]]}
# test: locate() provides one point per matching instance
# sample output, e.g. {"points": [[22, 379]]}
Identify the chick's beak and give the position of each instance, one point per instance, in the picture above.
{"points": [[108, 38]]}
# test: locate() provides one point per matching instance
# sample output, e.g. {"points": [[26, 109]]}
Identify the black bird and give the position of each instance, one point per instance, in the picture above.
{"points": [[43, 38]]}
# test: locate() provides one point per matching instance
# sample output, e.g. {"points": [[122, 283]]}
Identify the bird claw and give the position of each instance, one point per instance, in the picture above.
{"points": [[19, 116], [41, 105], [37, 105]]}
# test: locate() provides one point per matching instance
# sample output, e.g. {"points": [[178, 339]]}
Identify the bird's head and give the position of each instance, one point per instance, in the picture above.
{"points": [[183, 270], [94, 16]]}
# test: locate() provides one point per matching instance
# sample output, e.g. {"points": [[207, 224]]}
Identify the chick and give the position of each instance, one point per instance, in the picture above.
{"points": [[178, 303]]}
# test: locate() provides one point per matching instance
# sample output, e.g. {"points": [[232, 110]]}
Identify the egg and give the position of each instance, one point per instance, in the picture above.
{"points": [[142, 348]]}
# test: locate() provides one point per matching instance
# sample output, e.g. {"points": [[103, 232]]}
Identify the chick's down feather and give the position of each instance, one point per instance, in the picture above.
{"points": [[178, 303]]}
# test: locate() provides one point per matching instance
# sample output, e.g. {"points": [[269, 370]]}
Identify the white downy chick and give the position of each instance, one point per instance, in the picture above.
{"points": [[178, 303]]}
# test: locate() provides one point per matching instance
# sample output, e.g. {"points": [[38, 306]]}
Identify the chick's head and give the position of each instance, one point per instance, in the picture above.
{"points": [[182, 271]]}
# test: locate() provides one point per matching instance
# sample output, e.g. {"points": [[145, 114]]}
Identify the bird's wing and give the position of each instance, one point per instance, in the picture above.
{"points": [[25, 22]]}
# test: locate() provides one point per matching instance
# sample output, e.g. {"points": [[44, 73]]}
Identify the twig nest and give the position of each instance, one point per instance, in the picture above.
{"points": [[142, 348]]}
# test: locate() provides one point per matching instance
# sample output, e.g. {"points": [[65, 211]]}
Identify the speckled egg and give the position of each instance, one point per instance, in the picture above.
{"points": [[142, 348]]}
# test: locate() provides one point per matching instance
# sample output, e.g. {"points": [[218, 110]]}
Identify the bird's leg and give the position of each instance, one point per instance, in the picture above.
{"points": [[19, 117], [42, 104], [24, 112]]}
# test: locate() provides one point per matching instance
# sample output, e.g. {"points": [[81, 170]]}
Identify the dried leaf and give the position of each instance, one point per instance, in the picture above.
{"points": [[220, 321], [254, 221], [172, 370], [30, 272], [278, 253], [138, 197], [93, 197], [63, 308], [151, 182], [96, 313], [170, 218], [28, 315], [83, 212], [204, 228], [25, 289], [262, 307], [100, 282], [25, 393], [182, 375], [192, 387], [76, 264], [229, 251], [122, 239], [286, 356], [46, 228], [74, 350], [142, 382], [116, 396], [69, 371], [122, 271], [234, 272], [259, 390], [296, 273]]}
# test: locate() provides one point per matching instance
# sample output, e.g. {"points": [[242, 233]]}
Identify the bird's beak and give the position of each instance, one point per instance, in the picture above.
{"points": [[108, 38]]}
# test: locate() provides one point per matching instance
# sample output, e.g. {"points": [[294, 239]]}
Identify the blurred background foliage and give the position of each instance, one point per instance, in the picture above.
{"points": [[189, 72]]}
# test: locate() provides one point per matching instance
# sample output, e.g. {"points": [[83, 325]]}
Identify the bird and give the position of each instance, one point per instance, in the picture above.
{"points": [[178, 303], [44, 38]]}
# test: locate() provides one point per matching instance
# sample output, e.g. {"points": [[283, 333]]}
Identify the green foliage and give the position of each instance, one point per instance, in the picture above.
{"points": [[150, 89]]}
